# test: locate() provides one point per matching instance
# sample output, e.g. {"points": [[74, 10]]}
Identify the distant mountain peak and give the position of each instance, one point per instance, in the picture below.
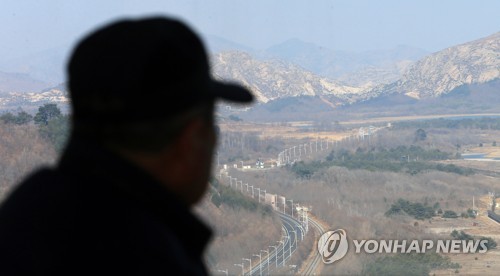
{"points": [[216, 44], [477, 61], [354, 68], [17, 82]]}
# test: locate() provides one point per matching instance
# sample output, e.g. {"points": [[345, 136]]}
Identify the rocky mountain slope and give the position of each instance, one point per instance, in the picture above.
{"points": [[30, 101], [439, 73], [276, 79]]}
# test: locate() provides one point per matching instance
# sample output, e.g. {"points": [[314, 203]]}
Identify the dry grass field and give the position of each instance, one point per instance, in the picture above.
{"points": [[294, 130], [282, 131], [411, 118], [472, 264], [490, 151]]}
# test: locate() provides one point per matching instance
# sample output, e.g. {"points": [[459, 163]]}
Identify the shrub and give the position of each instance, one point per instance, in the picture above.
{"points": [[449, 214], [416, 210], [20, 119]]}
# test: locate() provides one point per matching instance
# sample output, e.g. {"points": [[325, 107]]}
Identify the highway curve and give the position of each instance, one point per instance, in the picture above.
{"points": [[312, 267], [278, 258]]}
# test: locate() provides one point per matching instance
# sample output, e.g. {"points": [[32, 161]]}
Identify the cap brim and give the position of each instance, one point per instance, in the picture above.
{"points": [[231, 92]]}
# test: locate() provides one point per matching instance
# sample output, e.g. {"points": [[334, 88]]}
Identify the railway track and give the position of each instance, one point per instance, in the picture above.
{"points": [[312, 266]]}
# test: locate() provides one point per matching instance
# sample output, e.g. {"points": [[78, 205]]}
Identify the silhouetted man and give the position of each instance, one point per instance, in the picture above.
{"points": [[139, 156]]}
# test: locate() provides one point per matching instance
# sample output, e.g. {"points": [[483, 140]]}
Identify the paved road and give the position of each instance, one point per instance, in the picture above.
{"points": [[312, 267], [280, 256]]}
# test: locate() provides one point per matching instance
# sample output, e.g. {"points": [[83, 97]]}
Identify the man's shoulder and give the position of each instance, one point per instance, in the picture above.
{"points": [[36, 196], [53, 194], [33, 187], [62, 219]]}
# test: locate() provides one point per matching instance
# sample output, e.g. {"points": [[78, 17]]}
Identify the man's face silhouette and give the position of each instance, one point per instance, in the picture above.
{"points": [[188, 162], [202, 132]]}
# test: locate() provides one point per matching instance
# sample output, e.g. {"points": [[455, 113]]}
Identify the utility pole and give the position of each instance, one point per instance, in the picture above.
{"points": [[267, 252], [260, 262], [306, 220], [225, 271], [276, 255], [250, 260], [242, 269], [292, 205], [473, 207], [290, 243], [241, 185], [283, 253]]}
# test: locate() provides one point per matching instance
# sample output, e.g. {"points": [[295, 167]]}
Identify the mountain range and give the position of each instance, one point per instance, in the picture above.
{"points": [[45, 67], [341, 65], [439, 73], [275, 79], [18, 82], [433, 75], [299, 69]]}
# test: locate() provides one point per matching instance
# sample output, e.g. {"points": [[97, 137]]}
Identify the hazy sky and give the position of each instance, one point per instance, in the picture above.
{"points": [[28, 26]]}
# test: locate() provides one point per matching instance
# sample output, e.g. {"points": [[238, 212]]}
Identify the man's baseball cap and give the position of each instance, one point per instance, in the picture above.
{"points": [[143, 69]]}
